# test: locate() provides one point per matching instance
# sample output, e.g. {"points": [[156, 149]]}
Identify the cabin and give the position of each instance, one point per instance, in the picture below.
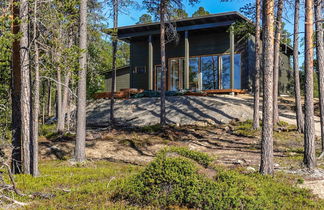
{"points": [[204, 56]]}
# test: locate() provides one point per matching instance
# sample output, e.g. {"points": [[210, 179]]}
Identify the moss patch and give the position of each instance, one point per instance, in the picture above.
{"points": [[176, 181]]}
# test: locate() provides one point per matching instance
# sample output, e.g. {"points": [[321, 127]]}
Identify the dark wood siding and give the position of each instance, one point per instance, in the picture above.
{"points": [[122, 79], [285, 74]]}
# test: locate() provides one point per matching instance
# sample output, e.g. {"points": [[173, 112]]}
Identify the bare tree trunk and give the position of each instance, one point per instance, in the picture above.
{"points": [[163, 61], [49, 98], [309, 133], [60, 120], [299, 112], [68, 113], [35, 111], [276, 62], [113, 78], [256, 117], [320, 61], [82, 86], [16, 94], [266, 166], [25, 87]]}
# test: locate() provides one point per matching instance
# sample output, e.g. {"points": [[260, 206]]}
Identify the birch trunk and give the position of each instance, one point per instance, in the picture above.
{"points": [[256, 118], [82, 87], [266, 166], [309, 133], [276, 62], [299, 112]]}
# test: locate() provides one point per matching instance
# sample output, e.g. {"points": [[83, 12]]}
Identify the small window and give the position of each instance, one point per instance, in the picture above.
{"points": [[139, 70]]}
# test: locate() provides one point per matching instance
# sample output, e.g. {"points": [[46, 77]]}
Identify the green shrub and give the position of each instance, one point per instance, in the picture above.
{"points": [[176, 180], [246, 129], [201, 158]]}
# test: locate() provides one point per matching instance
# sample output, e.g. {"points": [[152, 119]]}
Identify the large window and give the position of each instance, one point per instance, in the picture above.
{"points": [[209, 70], [237, 71], [226, 72], [205, 72], [194, 73]]}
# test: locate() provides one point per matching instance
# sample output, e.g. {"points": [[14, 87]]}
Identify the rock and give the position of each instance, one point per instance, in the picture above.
{"points": [[238, 162], [276, 165], [249, 168]]}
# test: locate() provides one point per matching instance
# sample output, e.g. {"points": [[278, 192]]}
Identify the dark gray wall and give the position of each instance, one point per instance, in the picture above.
{"points": [[122, 80], [203, 43], [200, 43]]}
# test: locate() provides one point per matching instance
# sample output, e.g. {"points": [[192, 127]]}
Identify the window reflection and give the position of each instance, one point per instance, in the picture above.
{"points": [[237, 71], [205, 73], [193, 73], [226, 72], [209, 69]]}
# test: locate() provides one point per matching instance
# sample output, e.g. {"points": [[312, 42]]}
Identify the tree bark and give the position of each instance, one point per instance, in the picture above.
{"points": [[309, 133], [82, 86], [36, 101], [299, 112], [276, 61], [320, 61], [266, 166], [60, 119], [113, 78], [163, 61], [49, 98], [256, 117], [25, 87], [16, 163]]}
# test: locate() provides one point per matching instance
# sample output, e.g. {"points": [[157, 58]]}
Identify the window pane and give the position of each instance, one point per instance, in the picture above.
{"points": [[237, 71], [174, 74], [158, 77], [226, 72], [193, 75], [209, 69]]}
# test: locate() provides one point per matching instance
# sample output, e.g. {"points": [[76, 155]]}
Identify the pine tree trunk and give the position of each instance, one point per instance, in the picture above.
{"points": [[25, 87], [266, 166], [16, 163], [36, 101], [276, 62], [163, 61], [113, 78], [299, 112], [82, 87], [320, 61], [256, 117], [309, 132]]}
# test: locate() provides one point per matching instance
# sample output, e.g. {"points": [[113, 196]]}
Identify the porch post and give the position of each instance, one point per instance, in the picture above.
{"points": [[186, 65], [150, 63], [232, 51]]}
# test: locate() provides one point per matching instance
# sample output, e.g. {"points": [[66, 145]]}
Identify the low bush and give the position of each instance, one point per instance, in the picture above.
{"points": [[176, 180]]}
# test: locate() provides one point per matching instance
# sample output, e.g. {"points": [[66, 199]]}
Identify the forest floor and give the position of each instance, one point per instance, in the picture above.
{"points": [[118, 152], [234, 145]]}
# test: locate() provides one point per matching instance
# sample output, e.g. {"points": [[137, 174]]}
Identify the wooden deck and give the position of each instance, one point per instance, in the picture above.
{"points": [[126, 93]]}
